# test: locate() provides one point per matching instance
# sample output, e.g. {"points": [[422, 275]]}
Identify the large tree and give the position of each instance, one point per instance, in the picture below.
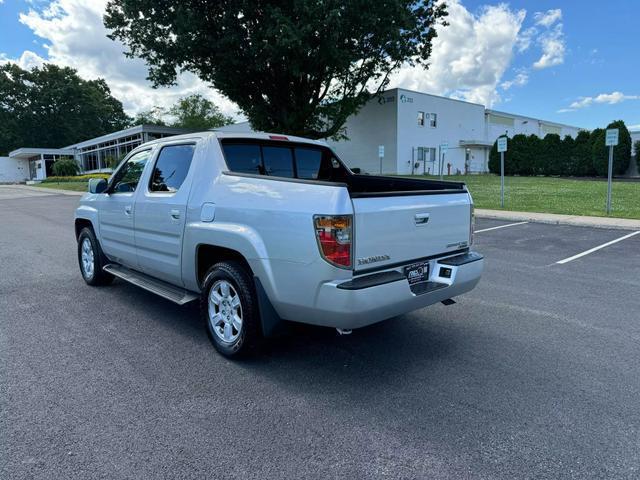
{"points": [[292, 66], [52, 106], [621, 152], [197, 113]]}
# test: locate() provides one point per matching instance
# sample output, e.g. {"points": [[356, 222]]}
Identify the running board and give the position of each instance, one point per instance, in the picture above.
{"points": [[165, 290]]}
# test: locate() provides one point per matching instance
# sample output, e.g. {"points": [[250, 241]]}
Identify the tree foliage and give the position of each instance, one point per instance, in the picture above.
{"points": [[197, 113], [584, 156], [152, 116], [65, 167], [294, 66], [621, 152], [53, 107], [636, 147]]}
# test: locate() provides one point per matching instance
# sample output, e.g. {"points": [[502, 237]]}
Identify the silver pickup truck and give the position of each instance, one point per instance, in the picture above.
{"points": [[263, 228]]}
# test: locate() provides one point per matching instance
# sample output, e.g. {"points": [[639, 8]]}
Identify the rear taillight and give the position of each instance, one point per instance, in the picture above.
{"points": [[334, 234]]}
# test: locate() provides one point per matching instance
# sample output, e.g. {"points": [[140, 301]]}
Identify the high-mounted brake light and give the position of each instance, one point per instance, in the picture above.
{"points": [[278, 137], [334, 234]]}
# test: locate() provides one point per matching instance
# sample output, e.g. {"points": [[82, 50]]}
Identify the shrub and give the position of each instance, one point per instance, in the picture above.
{"points": [[76, 178], [550, 158], [621, 152], [65, 167], [637, 149]]}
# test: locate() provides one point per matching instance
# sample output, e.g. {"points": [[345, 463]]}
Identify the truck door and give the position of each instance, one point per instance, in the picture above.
{"points": [[116, 211], [160, 213]]}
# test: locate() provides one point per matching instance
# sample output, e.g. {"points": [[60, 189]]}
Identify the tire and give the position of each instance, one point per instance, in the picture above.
{"points": [[228, 295], [91, 259]]}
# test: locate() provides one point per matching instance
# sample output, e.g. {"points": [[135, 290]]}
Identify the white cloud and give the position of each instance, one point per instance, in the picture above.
{"points": [[553, 48], [470, 56], [548, 18], [76, 37], [603, 98], [518, 81]]}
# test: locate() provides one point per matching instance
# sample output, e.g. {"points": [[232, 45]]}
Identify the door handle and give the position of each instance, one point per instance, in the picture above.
{"points": [[127, 210], [175, 214], [421, 218]]}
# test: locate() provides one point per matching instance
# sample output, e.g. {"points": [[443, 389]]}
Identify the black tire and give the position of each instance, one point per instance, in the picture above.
{"points": [[247, 339], [97, 276]]}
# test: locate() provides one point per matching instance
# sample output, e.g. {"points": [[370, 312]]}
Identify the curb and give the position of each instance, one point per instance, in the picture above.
{"points": [[50, 190], [556, 219]]}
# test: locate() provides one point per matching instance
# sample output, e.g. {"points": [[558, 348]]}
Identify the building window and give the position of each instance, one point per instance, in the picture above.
{"points": [[421, 119], [433, 120]]}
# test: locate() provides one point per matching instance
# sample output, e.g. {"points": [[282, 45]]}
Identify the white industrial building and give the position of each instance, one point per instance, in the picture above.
{"points": [[415, 130], [95, 155]]}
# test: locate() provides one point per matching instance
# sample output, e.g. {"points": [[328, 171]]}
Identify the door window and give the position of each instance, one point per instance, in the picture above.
{"points": [[171, 168], [126, 179]]}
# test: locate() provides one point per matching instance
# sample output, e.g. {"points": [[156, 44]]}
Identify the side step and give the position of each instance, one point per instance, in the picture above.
{"points": [[170, 292]]}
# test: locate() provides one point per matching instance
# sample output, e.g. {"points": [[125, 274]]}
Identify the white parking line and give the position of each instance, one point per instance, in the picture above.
{"points": [[501, 226], [595, 249]]}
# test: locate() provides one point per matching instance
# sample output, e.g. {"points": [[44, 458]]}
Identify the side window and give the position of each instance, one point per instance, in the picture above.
{"points": [[308, 161], [243, 158], [278, 161], [171, 168], [126, 179]]}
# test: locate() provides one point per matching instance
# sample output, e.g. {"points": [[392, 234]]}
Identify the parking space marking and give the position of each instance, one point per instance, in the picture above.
{"points": [[599, 247], [500, 226]]}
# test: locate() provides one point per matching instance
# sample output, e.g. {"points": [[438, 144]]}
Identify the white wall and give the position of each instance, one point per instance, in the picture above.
{"points": [[499, 122], [13, 170], [373, 125], [456, 121]]}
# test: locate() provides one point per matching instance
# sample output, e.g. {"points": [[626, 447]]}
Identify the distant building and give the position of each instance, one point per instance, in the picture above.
{"points": [[415, 130], [93, 155]]}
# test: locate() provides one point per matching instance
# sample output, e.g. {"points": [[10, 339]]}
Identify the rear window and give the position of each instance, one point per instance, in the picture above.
{"points": [[243, 158], [308, 161], [278, 161]]}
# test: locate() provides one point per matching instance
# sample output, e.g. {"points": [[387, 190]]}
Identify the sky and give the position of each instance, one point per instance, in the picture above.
{"points": [[568, 61]]}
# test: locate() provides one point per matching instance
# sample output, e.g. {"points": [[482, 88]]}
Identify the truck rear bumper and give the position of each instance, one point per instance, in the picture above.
{"points": [[369, 299]]}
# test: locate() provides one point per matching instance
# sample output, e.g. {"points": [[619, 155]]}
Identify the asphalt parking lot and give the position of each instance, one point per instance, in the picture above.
{"points": [[535, 374]]}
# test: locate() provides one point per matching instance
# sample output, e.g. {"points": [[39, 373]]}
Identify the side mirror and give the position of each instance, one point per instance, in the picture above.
{"points": [[97, 185]]}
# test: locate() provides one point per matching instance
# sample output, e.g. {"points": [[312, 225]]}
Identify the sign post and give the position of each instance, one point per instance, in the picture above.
{"points": [[443, 151], [380, 156], [611, 140], [502, 147]]}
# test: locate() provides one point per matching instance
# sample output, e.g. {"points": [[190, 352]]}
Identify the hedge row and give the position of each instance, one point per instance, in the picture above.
{"points": [[76, 178], [584, 156]]}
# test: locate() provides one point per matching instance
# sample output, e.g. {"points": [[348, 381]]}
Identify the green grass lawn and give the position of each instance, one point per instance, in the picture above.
{"points": [[553, 195]]}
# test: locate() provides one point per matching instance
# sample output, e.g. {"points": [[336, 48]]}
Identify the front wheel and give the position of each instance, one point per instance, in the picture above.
{"points": [[229, 308], [91, 259]]}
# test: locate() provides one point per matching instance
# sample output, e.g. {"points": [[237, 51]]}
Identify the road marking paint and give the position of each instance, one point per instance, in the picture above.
{"points": [[501, 226], [595, 249]]}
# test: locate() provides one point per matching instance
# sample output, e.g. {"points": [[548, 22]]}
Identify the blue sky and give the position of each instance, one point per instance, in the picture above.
{"points": [[569, 61]]}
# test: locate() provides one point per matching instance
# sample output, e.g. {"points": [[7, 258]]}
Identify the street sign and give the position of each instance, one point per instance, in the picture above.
{"points": [[444, 147], [502, 144], [611, 139], [380, 151], [502, 147]]}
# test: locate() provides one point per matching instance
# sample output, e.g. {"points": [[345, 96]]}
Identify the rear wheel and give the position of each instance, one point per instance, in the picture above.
{"points": [[228, 306], [91, 259]]}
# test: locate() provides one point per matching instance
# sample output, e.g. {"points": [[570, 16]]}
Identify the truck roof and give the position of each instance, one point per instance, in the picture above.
{"points": [[248, 135]]}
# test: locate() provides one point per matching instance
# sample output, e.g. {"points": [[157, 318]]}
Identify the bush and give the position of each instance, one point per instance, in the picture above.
{"points": [[581, 164], [621, 152], [637, 149], [76, 178], [65, 167]]}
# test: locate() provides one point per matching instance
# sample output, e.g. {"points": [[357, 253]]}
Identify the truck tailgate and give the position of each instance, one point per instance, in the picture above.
{"points": [[391, 230]]}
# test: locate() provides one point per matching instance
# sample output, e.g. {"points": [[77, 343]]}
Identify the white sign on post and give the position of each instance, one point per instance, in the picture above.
{"points": [[611, 139], [444, 147], [502, 144], [380, 151]]}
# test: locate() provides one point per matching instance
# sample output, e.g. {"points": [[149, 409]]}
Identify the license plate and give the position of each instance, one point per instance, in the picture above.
{"points": [[418, 272]]}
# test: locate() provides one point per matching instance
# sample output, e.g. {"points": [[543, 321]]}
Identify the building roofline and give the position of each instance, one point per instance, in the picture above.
{"points": [[432, 95], [130, 131], [515, 115], [22, 152]]}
